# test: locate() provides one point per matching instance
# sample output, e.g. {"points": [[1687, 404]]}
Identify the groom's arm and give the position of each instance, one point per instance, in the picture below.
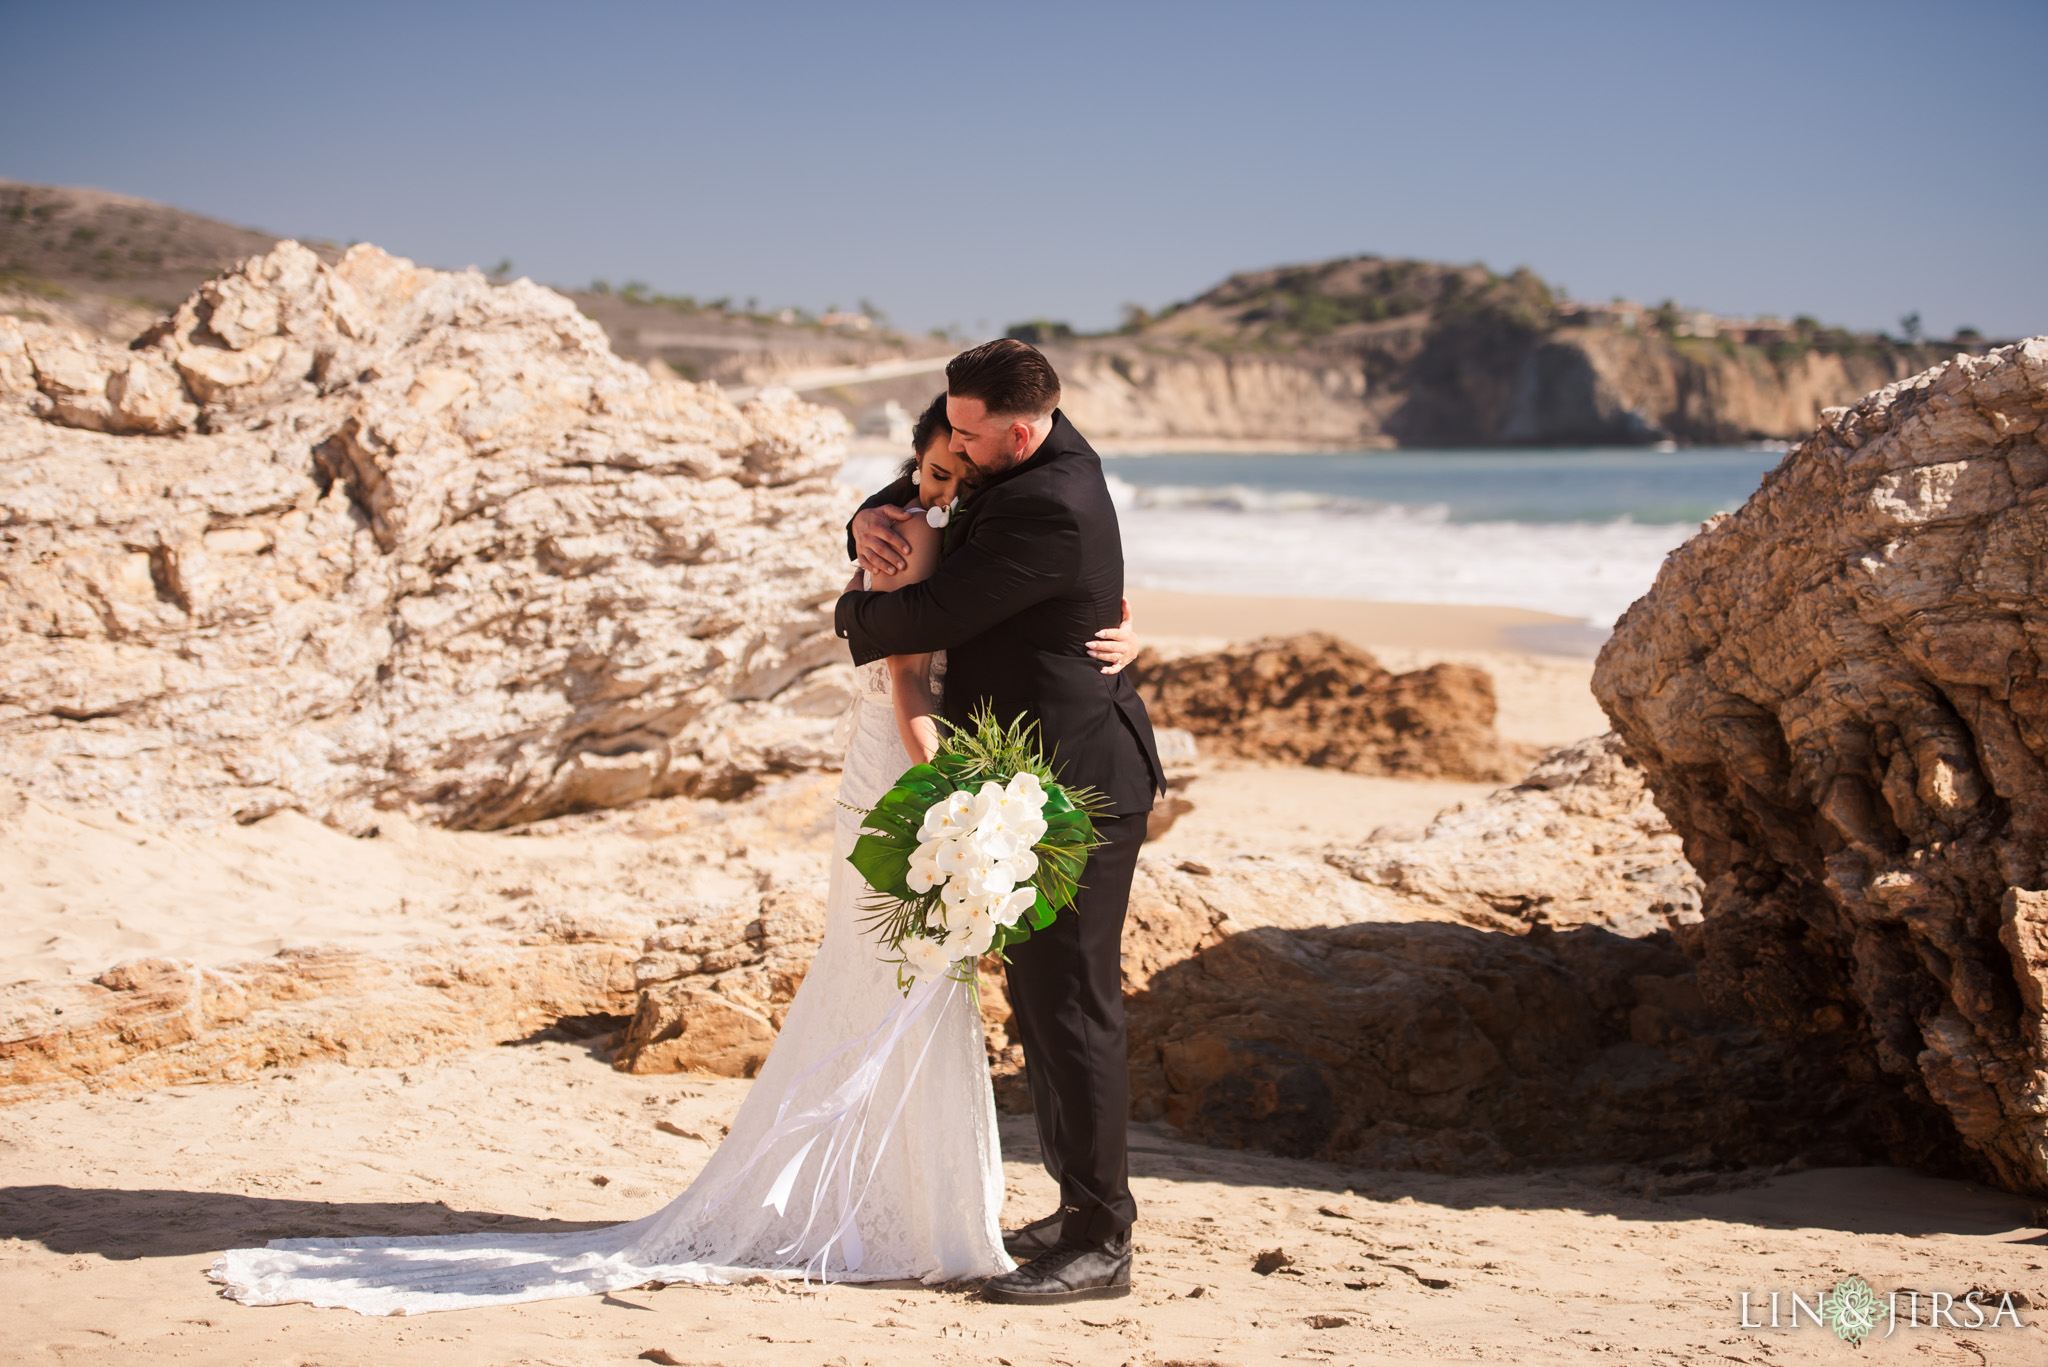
{"points": [[1015, 555], [895, 496]]}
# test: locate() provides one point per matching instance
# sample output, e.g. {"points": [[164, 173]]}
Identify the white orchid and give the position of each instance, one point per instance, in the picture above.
{"points": [[926, 957], [975, 934], [998, 834], [924, 873], [957, 855], [939, 517], [1024, 787], [982, 875], [957, 897], [953, 817], [1011, 909], [985, 799], [1018, 868]]}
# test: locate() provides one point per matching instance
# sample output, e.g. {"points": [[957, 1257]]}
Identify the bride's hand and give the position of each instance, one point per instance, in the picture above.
{"points": [[857, 583], [1116, 646]]}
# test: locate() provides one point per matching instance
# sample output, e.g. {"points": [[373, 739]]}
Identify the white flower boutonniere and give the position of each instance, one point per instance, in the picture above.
{"points": [[939, 517]]}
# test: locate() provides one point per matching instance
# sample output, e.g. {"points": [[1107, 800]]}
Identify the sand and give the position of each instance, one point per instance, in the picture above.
{"points": [[83, 889], [1415, 626], [114, 1205]]}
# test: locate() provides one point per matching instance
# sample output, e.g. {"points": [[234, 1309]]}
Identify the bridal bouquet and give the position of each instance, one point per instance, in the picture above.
{"points": [[973, 851]]}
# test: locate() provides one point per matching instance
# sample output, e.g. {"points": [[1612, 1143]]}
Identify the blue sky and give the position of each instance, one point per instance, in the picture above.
{"points": [[974, 164]]}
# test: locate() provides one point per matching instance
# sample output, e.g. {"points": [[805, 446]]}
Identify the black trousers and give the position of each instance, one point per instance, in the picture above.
{"points": [[1066, 987]]}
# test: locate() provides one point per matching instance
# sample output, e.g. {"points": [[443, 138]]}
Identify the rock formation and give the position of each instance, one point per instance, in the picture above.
{"points": [[159, 1023], [714, 989], [1578, 841], [1431, 1005], [1317, 700], [365, 536], [1837, 696], [1443, 1047]]}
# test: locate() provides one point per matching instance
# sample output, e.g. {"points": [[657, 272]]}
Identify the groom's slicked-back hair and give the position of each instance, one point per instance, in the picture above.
{"points": [[1011, 378]]}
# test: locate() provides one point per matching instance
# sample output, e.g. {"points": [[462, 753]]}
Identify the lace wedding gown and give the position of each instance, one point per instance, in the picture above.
{"points": [[865, 1151]]}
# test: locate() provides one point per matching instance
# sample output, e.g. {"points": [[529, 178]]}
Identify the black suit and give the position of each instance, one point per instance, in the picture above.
{"points": [[1034, 568]]}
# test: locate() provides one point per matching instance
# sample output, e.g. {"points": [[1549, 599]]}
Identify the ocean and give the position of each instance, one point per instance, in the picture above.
{"points": [[1576, 532]]}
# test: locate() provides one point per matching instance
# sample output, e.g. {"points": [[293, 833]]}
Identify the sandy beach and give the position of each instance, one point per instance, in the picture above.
{"points": [[115, 1203]]}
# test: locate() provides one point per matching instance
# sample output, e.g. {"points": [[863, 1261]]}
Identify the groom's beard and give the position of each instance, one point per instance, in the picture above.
{"points": [[999, 464], [972, 477]]}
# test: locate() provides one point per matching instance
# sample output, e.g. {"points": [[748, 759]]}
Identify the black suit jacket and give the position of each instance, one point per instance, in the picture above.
{"points": [[1034, 567]]}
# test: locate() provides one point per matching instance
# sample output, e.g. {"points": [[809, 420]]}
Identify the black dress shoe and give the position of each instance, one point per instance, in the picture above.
{"points": [[1040, 1236], [1067, 1272]]}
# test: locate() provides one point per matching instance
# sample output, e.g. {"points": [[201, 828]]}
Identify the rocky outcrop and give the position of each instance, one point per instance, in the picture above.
{"points": [[364, 537], [161, 1023], [714, 988], [1453, 1049], [1837, 696], [1317, 700], [1579, 841]]}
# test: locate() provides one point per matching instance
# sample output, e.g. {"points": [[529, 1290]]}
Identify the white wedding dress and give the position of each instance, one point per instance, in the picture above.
{"points": [[866, 1150]]}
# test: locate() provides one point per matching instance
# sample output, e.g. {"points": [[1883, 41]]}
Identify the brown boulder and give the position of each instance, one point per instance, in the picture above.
{"points": [[1316, 700], [1455, 1049], [1837, 696], [160, 1023], [715, 989]]}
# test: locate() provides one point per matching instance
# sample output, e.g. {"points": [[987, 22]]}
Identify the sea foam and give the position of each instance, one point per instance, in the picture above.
{"points": [[1236, 538]]}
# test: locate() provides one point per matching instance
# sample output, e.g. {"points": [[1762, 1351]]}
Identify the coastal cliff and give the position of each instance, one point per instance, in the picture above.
{"points": [[1368, 352]]}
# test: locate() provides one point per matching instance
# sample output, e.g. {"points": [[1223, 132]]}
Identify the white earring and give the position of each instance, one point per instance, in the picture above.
{"points": [[916, 475]]}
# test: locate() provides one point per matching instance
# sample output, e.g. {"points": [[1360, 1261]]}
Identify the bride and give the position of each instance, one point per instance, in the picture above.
{"points": [[866, 1149]]}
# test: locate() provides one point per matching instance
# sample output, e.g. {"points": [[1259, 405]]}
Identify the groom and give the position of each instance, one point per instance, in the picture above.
{"points": [[1034, 567]]}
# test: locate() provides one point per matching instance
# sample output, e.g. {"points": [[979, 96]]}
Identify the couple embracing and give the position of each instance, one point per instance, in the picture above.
{"points": [[991, 577]]}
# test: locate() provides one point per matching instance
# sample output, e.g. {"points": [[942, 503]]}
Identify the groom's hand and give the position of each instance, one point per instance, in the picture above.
{"points": [[877, 545]]}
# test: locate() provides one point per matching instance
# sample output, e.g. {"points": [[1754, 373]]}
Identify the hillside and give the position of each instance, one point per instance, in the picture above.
{"points": [[1372, 351], [110, 263], [1364, 351]]}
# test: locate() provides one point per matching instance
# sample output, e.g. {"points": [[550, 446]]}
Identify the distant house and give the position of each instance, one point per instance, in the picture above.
{"points": [[1625, 314], [859, 322], [1762, 330], [1696, 323]]}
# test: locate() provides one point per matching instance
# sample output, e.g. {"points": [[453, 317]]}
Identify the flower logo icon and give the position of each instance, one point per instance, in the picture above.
{"points": [[1851, 1310]]}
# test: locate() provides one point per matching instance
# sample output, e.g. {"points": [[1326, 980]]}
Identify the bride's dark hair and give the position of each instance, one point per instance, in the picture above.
{"points": [[930, 423]]}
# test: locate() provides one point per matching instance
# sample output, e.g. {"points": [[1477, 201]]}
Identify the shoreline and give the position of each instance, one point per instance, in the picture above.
{"points": [[866, 445], [1365, 623]]}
